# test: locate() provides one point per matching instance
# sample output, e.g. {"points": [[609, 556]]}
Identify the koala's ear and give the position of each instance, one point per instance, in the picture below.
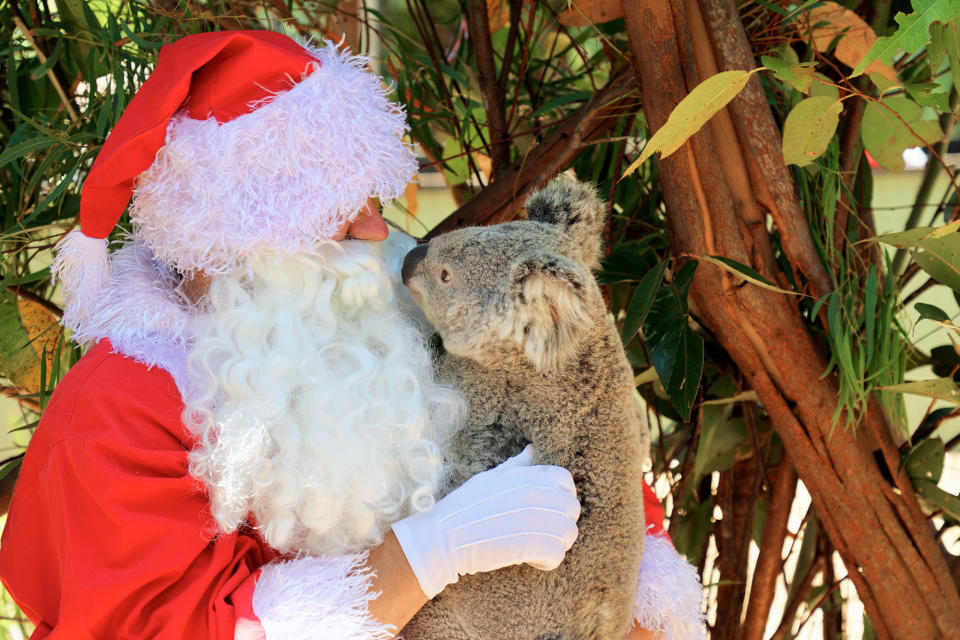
{"points": [[548, 310], [575, 206]]}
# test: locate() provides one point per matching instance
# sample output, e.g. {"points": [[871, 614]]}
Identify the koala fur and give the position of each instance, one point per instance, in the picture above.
{"points": [[528, 340]]}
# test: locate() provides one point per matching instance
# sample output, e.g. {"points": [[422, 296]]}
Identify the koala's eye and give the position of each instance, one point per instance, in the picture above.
{"points": [[444, 275]]}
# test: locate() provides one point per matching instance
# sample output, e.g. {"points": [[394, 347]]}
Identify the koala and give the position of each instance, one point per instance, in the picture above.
{"points": [[528, 340]]}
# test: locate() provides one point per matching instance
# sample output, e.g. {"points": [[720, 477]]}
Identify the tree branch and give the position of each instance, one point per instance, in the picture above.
{"points": [[479, 26], [502, 199]]}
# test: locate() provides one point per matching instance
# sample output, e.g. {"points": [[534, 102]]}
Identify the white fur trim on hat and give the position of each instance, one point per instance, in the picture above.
{"points": [[125, 297], [324, 597], [669, 593], [278, 179]]}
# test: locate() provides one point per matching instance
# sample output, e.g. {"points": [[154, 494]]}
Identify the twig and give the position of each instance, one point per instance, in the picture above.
{"points": [[502, 198], [790, 611], [53, 78], [479, 27], [763, 585]]}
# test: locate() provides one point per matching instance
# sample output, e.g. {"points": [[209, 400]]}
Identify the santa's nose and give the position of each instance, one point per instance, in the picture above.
{"points": [[368, 225]]}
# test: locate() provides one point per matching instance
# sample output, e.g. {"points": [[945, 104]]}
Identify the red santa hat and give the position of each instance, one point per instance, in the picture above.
{"points": [[240, 144]]}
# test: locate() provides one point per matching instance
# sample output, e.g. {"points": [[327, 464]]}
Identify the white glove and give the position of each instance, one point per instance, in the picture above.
{"points": [[511, 514]]}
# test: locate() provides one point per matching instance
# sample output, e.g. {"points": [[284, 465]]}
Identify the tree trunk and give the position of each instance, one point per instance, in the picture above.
{"points": [[714, 187]]}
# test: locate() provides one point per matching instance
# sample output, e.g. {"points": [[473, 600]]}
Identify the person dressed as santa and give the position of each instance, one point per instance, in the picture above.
{"points": [[251, 446]]}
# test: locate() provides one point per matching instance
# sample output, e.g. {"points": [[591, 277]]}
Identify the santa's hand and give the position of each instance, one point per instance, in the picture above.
{"points": [[515, 513]]}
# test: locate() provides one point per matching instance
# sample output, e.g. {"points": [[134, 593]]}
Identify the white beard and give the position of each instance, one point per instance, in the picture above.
{"points": [[313, 399]]}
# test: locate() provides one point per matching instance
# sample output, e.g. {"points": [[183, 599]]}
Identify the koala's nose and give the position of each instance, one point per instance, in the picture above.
{"points": [[413, 258]]}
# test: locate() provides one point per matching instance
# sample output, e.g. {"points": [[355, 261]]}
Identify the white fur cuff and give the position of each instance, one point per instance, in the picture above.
{"points": [[669, 593], [324, 597]]}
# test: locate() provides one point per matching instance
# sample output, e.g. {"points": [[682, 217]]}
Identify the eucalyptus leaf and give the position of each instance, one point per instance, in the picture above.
{"points": [[925, 460], [693, 528], [896, 124], [799, 76], [941, 389], [808, 129], [931, 312], [945, 43], [936, 251], [676, 351], [913, 32], [694, 111], [939, 498], [641, 301]]}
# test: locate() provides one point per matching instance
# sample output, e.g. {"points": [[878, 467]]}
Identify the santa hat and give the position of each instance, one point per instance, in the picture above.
{"points": [[240, 144]]}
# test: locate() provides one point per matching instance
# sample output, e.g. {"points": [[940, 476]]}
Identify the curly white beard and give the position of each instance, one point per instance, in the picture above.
{"points": [[313, 399]]}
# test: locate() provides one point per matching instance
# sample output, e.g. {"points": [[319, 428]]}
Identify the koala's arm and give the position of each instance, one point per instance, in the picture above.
{"points": [[483, 441]]}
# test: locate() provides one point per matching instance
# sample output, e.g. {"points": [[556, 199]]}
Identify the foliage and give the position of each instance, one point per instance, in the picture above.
{"points": [[715, 450]]}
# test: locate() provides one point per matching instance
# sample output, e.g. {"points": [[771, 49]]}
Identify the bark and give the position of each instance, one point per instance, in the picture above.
{"points": [[877, 527], [490, 88]]}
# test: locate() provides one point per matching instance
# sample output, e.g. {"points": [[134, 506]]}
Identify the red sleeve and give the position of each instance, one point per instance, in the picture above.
{"points": [[108, 535]]}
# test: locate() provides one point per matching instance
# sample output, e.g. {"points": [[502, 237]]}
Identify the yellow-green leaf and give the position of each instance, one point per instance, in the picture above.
{"points": [[941, 388], [692, 113], [809, 128], [745, 272], [824, 86], [936, 251]]}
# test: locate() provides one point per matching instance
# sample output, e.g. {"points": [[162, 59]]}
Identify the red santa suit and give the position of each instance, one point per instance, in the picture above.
{"points": [[108, 535]]}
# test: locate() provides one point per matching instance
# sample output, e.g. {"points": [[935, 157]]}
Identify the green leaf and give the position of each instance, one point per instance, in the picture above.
{"points": [[23, 148], [690, 534], [642, 300], [913, 32], [929, 94], [692, 113], [947, 273], [40, 71], [797, 75], [745, 396], [945, 361], [945, 42], [559, 101], [9, 466], [930, 312], [675, 350], [885, 135], [942, 389], [884, 84], [685, 380], [939, 498], [720, 442], [925, 460], [809, 128]]}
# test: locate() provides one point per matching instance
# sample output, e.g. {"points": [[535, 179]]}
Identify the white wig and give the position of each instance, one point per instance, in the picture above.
{"points": [[314, 402]]}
